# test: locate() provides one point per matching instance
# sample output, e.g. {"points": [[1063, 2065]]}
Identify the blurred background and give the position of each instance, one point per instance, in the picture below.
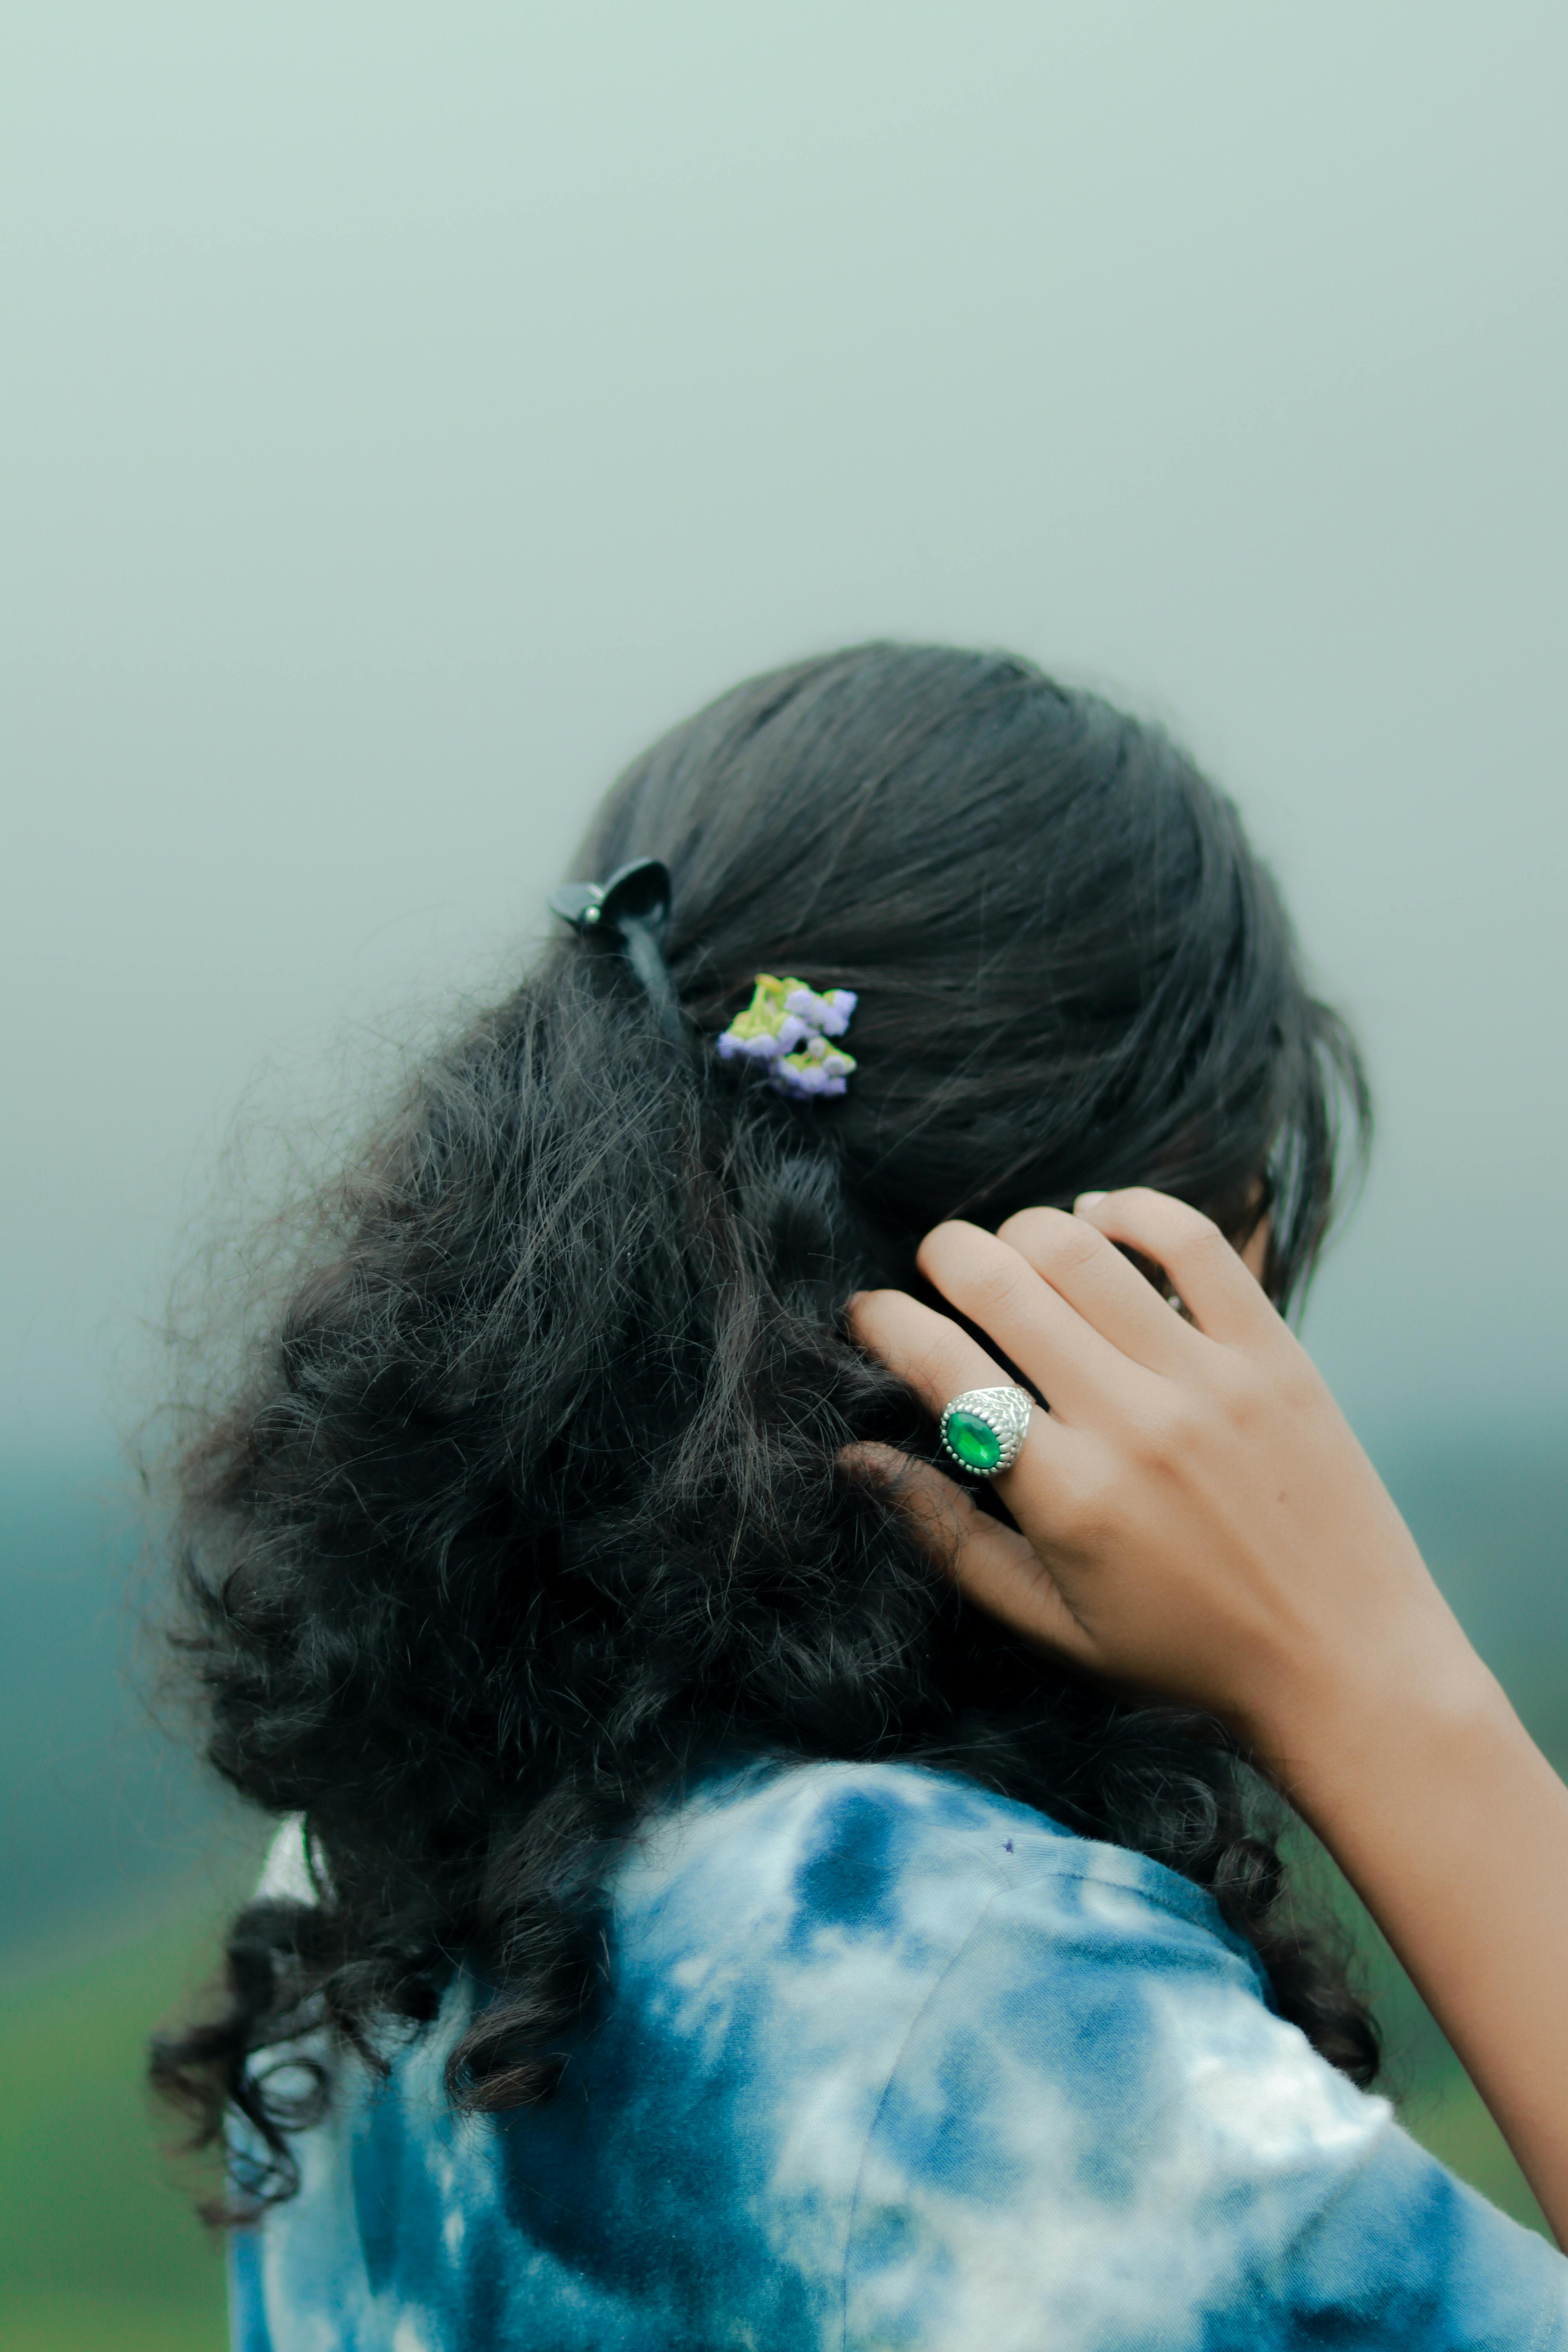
{"points": [[412, 409]]}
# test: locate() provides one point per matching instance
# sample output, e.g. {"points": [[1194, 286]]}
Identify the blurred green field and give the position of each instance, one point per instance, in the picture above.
{"points": [[100, 2247]]}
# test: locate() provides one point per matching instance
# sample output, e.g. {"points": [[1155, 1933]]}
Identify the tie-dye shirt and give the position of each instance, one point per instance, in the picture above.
{"points": [[891, 2062]]}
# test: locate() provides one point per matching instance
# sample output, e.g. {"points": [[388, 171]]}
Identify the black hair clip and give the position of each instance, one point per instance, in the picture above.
{"points": [[630, 910]]}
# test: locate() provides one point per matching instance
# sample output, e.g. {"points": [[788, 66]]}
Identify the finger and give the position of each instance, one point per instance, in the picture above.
{"points": [[931, 1351], [1219, 1293], [1087, 1269], [940, 1360], [1076, 1367], [993, 1564]]}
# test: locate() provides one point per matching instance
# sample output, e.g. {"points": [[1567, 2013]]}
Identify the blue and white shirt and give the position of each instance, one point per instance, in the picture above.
{"points": [[891, 2065]]}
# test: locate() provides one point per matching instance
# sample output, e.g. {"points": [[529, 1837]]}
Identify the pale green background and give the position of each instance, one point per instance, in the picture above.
{"points": [[407, 409]]}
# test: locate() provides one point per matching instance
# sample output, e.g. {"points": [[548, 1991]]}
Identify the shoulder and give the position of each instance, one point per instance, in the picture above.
{"points": [[1089, 2126], [820, 1858], [930, 2070], [924, 1960]]}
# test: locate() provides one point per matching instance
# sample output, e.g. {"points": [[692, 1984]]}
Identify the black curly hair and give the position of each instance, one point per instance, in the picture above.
{"points": [[532, 1500]]}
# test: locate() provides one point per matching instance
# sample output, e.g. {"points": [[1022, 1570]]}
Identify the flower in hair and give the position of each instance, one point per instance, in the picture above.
{"points": [[787, 1025]]}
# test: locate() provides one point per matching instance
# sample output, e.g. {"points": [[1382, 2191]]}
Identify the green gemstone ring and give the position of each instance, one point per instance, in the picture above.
{"points": [[984, 1430]]}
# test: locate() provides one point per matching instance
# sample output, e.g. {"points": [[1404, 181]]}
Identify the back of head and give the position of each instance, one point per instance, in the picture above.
{"points": [[534, 1499], [1072, 969]]}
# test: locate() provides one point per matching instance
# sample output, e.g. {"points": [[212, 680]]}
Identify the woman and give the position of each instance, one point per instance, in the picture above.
{"points": [[760, 1888]]}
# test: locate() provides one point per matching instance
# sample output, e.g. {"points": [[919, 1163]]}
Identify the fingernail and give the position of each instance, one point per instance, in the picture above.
{"points": [[1085, 1200]]}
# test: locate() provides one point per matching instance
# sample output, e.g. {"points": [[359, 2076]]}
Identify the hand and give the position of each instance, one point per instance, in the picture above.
{"points": [[1194, 1516]]}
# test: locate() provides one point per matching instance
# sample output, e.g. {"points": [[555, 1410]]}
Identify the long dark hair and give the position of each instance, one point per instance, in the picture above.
{"points": [[532, 1500]]}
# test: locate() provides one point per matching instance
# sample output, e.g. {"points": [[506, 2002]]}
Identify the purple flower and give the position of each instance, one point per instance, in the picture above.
{"points": [[828, 1016], [765, 1048], [786, 1026], [808, 1072]]}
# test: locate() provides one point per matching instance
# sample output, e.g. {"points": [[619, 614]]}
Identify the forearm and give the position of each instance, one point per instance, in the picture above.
{"points": [[1453, 1829]]}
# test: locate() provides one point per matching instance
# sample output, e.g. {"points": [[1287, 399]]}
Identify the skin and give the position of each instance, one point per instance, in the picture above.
{"points": [[1194, 1518]]}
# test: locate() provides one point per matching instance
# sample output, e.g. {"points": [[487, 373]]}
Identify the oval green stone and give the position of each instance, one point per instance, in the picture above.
{"points": [[973, 1441]]}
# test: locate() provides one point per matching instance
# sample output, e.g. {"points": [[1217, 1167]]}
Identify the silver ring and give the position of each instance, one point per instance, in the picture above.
{"points": [[984, 1430]]}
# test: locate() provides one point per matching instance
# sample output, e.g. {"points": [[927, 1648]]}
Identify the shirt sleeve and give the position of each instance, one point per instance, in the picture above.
{"points": [[247, 2328], [1098, 2136]]}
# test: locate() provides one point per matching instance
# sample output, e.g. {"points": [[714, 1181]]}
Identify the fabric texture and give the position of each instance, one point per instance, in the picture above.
{"points": [[891, 2065]]}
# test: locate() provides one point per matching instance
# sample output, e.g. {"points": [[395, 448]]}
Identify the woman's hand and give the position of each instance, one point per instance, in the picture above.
{"points": [[1195, 1516]]}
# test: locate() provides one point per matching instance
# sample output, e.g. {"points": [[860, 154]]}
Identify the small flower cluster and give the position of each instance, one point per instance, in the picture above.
{"points": [[788, 1025]]}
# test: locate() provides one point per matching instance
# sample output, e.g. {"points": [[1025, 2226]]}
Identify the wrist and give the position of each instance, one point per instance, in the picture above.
{"points": [[1400, 1719]]}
